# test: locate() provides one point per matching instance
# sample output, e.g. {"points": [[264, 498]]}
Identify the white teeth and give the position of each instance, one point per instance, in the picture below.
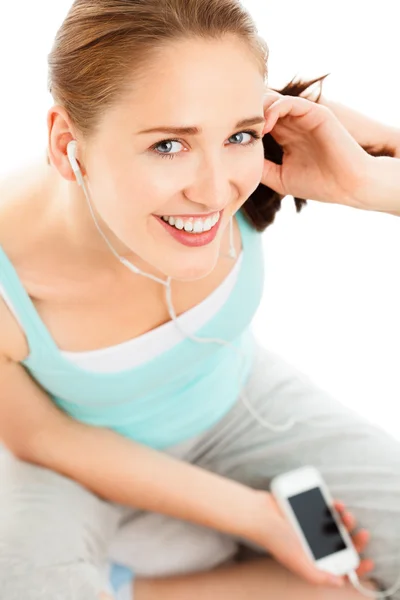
{"points": [[208, 224], [179, 223], [193, 225], [198, 227]]}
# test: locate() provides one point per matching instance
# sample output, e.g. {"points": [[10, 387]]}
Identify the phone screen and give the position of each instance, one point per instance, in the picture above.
{"points": [[317, 523]]}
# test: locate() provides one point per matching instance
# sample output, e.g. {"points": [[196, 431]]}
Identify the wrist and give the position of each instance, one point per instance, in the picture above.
{"points": [[256, 515], [379, 189]]}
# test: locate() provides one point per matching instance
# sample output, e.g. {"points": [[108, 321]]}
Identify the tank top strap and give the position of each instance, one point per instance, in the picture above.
{"points": [[21, 305]]}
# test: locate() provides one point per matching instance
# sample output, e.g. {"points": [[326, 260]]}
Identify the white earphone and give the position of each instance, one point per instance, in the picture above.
{"points": [[71, 153]]}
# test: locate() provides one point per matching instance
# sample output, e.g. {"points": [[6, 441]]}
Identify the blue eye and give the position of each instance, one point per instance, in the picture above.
{"points": [[254, 135]]}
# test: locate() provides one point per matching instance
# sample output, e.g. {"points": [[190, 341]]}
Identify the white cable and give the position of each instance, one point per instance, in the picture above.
{"points": [[123, 260], [263, 422], [353, 577], [171, 310], [167, 284]]}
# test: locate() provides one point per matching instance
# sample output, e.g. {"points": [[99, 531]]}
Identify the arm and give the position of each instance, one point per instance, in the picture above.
{"points": [[368, 132], [117, 469], [332, 168], [381, 188]]}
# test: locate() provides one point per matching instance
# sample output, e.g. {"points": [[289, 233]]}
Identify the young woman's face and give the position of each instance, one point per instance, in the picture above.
{"points": [[137, 177]]}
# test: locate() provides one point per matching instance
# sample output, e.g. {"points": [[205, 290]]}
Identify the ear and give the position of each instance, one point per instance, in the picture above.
{"points": [[60, 133]]}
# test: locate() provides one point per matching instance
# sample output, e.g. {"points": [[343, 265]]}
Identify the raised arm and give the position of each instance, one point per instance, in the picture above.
{"points": [[381, 189], [368, 132], [331, 153]]}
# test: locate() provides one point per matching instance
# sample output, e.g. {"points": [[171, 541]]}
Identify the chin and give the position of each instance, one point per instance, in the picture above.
{"points": [[190, 272]]}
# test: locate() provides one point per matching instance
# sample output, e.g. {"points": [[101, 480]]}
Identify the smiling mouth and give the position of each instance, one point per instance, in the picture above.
{"points": [[192, 224]]}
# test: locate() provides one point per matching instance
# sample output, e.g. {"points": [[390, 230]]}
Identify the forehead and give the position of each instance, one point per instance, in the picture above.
{"points": [[196, 82]]}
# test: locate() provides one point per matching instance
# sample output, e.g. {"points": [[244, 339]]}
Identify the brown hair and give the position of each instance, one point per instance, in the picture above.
{"points": [[104, 45]]}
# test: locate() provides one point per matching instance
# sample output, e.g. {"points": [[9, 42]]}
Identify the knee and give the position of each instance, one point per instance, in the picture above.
{"points": [[50, 542], [48, 519]]}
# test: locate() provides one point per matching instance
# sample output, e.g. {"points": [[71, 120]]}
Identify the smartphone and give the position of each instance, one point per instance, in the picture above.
{"points": [[306, 501]]}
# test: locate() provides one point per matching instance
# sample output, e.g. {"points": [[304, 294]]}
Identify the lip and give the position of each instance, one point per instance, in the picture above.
{"points": [[191, 239], [199, 216]]}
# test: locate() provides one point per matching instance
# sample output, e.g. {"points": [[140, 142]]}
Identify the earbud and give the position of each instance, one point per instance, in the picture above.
{"points": [[71, 153]]}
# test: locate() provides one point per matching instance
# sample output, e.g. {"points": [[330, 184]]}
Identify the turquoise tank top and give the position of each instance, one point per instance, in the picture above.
{"points": [[176, 395]]}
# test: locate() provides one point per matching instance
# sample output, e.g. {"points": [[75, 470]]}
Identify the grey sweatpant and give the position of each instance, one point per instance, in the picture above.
{"points": [[56, 536]]}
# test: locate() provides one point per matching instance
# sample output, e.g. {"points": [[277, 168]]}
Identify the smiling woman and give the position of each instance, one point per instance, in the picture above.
{"points": [[217, 166], [146, 455]]}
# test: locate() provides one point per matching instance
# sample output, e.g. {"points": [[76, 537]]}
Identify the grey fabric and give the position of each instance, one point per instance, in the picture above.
{"points": [[55, 535]]}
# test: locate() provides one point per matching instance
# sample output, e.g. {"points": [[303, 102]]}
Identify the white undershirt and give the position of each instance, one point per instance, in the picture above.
{"points": [[154, 342]]}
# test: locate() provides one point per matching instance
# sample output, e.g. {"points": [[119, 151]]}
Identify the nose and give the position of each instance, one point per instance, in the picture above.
{"points": [[212, 187]]}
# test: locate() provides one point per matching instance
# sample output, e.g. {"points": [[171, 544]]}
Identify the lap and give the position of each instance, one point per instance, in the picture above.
{"points": [[53, 511], [359, 461], [326, 433]]}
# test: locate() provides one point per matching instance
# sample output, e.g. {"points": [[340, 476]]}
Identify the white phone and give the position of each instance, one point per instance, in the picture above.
{"points": [[306, 501]]}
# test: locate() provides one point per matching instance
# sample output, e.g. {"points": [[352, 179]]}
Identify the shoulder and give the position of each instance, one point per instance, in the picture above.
{"points": [[20, 193], [20, 199]]}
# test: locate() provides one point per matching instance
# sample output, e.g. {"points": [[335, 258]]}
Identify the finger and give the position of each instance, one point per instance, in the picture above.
{"points": [[360, 540], [306, 568], [293, 557], [339, 505], [313, 575], [349, 520], [284, 106], [272, 176], [270, 97], [345, 515], [367, 565]]}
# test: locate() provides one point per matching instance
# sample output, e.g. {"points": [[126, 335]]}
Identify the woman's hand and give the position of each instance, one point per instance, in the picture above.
{"points": [[281, 541], [321, 161]]}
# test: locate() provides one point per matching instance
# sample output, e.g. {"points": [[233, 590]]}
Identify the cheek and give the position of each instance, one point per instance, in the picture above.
{"points": [[120, 194], [251, 174]]}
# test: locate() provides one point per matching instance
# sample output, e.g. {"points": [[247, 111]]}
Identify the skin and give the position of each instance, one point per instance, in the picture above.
{"points": [[129, 183], [85, 297]]}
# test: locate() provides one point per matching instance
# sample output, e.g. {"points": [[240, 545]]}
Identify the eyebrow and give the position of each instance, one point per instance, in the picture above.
{"points": [[197, 130]]}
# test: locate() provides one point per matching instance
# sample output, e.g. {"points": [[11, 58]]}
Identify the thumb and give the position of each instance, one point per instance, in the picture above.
{"points": [[305, 567], [272, 176], [293, 557]]}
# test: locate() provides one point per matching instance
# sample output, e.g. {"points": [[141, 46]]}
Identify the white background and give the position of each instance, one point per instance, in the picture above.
{"points": [[332, 296]]}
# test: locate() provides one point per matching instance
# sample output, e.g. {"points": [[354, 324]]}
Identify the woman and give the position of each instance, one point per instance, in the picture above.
{"points": [[125, 442]]}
